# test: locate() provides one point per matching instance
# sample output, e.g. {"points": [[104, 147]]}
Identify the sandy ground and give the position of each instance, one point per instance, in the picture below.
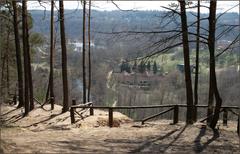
{"points": [[51, 132]]}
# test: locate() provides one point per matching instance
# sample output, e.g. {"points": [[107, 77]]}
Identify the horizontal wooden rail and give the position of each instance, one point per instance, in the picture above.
{"points": [[206, 118], [156, 115], [81, 105], [205, 106], [233, 112], [174, 107], [124, 107], [149, 106]]}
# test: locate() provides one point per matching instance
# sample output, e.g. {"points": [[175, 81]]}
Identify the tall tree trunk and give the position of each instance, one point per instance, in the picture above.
{"points": [[83, 52], [31, 107], [89, 53], [47, 93], [2, 76], [210, 99], [64, 58], [197, 64], [187, 69], [5, 68], [211, 46], [18, 54], [7, 63], [25, 50], [51, 84], [3, 59]]}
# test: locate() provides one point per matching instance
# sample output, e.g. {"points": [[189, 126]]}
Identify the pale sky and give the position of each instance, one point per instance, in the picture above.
{"points": [[129, 5]]}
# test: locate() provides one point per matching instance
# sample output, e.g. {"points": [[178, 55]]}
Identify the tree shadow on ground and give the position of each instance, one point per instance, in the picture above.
{"points": [[200, 147], [9, 112], [20, 116], [45, 120], [175, 138], [82, 146], [13, 119], [65, 146], [149, 143]]}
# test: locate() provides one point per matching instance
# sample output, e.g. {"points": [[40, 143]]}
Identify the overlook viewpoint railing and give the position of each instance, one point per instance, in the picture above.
{"points": [[171, 107]]}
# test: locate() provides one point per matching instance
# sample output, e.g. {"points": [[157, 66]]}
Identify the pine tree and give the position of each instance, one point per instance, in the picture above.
{"points": [[149, 66], [188, 81], [89, 53], [18, 55], [142, 67], [51, 85], [155, 69], [83, 53], [64, 58], [134, 68]]}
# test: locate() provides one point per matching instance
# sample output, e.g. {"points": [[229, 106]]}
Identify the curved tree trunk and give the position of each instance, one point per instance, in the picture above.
{"points": [[213, 80]]}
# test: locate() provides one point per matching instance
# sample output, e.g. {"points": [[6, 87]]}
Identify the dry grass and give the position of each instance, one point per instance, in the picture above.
{"points": [[51, 132]]}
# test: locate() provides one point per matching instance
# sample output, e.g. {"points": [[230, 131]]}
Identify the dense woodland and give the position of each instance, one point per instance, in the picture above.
{"points": [[39, 64]]}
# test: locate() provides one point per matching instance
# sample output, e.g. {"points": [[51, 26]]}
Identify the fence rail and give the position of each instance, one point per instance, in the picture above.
{"points": [[172, 107], [158, 114]]}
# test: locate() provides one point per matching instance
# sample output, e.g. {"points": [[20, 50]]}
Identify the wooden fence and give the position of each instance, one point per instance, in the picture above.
{"points": [[171, 107]]}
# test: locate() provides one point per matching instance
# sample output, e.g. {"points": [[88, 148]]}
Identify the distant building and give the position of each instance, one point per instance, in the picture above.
{"points": [[77, 46], [140, 76], [140, 80], [180, 67], [222, 44]]}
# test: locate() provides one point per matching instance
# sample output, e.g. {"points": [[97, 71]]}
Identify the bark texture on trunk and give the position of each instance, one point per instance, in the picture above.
{"points": [[83, 52], [197, 64], [31, 107], [64, 58], [188, 81], [25, 55], [52, 48], [89, 53], [18, 55], [213, 80]]}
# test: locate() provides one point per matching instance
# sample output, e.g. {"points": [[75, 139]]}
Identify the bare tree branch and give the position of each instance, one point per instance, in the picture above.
{"points": [[170, 9], [226, 11], [229, 46], [120, 8]]}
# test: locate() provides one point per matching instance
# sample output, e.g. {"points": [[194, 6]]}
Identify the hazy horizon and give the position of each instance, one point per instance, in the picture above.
{"points": [[131, 5]]}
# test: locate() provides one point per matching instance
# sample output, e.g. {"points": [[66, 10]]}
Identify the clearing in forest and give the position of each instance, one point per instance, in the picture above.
{"points": [[51, 132]]}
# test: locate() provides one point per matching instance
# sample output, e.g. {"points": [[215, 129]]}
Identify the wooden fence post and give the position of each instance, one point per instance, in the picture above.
{"points": [[110, 117], [175, 114], [74, 102], [91, 111], [15, 99], [72, 112], [72, 115], [225, 117], [238, 126]]}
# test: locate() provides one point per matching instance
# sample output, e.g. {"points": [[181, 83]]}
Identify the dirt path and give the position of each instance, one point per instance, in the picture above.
{"points": [[56, 135]]}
